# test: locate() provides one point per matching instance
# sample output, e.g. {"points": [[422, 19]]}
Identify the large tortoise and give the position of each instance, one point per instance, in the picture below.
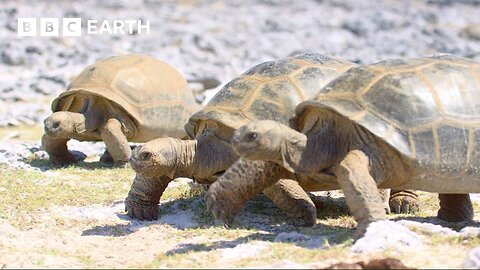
{"points": [[270, 90], [411, 123], [129, 98]]}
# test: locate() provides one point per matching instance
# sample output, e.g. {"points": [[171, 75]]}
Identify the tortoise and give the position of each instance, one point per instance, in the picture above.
{"points": [[402, 123], [121, 99], [270, 90]]}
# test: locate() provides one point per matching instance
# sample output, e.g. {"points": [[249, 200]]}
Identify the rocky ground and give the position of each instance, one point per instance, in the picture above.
{"points": [[60, 217]]}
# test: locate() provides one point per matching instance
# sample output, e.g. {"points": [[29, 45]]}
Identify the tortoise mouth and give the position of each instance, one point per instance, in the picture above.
{"points": [[142, 167], [137, 165]]}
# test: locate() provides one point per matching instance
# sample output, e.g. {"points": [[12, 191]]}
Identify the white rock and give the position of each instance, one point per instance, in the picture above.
{"points": [[470, 232], [285, 264], [473, 259], [428, 227], [386, 234], [291, 237], [242, 251]]}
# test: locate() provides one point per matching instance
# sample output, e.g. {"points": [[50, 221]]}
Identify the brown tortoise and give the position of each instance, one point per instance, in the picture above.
{"points": [[129, 98], [411, 123], [270, 90]]}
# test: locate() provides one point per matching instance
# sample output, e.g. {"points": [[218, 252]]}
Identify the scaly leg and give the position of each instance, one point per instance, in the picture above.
{"points": [[58, 151], [292, 199], [144, 197], [455, 207], [247, 178], [360, 189], [403, 201], [115, 140]]}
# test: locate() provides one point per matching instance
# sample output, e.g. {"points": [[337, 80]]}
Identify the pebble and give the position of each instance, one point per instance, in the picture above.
{"points": [[388, 235]]}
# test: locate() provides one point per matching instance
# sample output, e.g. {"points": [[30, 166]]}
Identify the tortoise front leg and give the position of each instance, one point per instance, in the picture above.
{"points": [[360, 189], [144, 196], [58, 151], [115, 141], [455, 207], [292, 199], [247, 178]]}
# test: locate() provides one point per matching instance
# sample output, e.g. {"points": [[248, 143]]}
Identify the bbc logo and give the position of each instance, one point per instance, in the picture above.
{"points": [[49, 27], [72, 27]]}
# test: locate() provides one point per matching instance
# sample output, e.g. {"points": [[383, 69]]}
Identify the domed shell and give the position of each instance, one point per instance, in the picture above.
{"points": [[426, 108], [151, 92], [269, 91]]}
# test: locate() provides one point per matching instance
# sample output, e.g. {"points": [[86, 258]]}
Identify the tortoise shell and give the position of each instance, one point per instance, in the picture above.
{"points": [[426, 108], [269, 91], [152, 93]]}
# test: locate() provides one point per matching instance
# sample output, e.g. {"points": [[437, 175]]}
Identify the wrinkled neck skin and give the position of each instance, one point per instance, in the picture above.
{"points": [[79, 123], [182, 158], [321, 148], [202, 159]]}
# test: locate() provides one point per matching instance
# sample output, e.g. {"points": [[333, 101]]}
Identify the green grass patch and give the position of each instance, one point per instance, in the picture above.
{"points": [[24, 191]]}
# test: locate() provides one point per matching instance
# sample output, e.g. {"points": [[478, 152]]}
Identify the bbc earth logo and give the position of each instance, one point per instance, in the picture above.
{"points": [[72, 27]]}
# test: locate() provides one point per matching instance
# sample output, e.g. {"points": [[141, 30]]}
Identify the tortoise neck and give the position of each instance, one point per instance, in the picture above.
{"points": [[184, 156], [79, 123], [324, 145]]}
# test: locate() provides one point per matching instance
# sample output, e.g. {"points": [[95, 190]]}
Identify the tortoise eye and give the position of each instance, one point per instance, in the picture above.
{"points": [[146, 155], [251, 136]]}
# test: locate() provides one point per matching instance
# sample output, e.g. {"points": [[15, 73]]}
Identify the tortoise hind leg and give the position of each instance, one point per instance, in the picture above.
{"points": [[58, 151], [455, 207], [403, 201]]}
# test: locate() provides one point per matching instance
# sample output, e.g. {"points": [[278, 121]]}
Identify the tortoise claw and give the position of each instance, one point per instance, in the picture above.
{"points": [[404, 203]]}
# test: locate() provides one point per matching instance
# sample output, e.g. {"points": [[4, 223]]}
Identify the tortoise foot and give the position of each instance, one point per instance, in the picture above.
{"points": [[221, 207], [106, 158], [141, 210], [305, 216], [304, 222], [455, 207], [68, 158], [403, 202]]}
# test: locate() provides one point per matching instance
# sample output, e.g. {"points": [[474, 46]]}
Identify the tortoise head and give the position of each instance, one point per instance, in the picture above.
{"points": [[155, 158], [260, 140], [59, 124]]}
